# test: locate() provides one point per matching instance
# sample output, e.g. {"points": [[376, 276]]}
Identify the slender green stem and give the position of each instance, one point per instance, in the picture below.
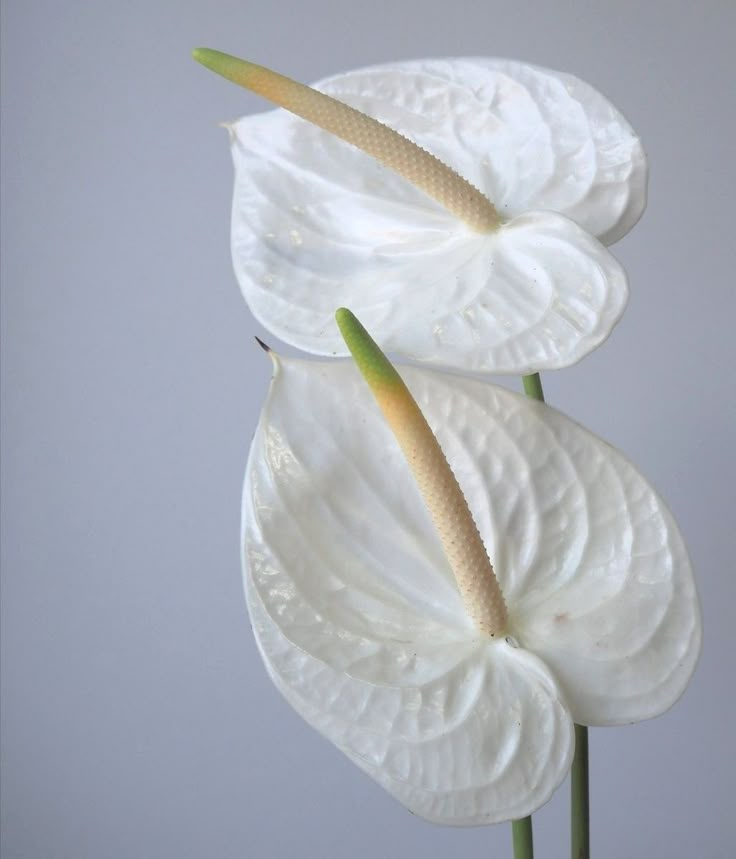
{"points": [[521, 831], [579, 795], [580, 803], [533, 387]]}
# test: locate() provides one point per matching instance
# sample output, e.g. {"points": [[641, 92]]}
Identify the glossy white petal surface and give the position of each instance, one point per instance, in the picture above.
{"points": [[538, 294], [528, 137], [592, 566], [619, 621], [360, 624], [317, 224]]}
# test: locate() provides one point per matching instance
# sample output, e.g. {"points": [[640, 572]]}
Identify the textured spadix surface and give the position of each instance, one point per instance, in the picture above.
{"points": [[362, 628], [318, 224]]}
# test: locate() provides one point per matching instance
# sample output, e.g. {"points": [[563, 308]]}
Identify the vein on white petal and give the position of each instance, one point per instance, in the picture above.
{"points": [[409, 212], [379, 707], [340, 167], [607, 633], [426, 774], [429, 554], [371, 588], [361, 571], [512, 428], [538, 595]]}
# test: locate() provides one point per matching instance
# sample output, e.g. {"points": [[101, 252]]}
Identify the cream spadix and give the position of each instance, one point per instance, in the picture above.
{"points": [[441, 492], [392, 149]]}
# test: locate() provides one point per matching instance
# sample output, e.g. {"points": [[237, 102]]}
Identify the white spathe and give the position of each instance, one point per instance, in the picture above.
{"points": [[362, 628], [317, 224]]}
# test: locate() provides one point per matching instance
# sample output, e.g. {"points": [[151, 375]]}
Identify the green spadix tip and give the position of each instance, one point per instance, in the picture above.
{"points": [[370, 360], [232, 68], [206, 56]]}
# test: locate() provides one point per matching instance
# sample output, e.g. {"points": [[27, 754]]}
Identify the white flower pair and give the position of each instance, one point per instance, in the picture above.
{"points": [[355, 607]]}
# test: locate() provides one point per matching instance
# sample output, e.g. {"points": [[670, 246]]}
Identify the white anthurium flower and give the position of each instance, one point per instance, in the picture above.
{"points": [[481, 255], [455, 683]]}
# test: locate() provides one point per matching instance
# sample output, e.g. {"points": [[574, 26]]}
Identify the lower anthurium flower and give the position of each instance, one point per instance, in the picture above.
{"points": [[457, 205], [453, 681]]}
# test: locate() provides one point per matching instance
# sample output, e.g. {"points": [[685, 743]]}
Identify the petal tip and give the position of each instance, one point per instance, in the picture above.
{"points": [[229, 126], [264, 346], [274, 356]]}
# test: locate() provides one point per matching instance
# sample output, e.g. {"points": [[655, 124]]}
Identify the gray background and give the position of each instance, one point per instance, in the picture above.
{"points": [[137, 720]]}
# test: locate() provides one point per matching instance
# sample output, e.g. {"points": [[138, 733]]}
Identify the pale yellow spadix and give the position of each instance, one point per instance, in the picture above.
{"points": [[392, 149], [442, 494]]}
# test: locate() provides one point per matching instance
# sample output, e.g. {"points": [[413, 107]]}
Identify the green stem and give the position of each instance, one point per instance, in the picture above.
{"points": [[533, 387], [521, 832], [580, 803], [579, 795]]}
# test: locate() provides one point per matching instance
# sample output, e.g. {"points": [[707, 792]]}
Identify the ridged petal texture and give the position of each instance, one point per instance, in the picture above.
{"points": [[318, 224], [362, 628]]}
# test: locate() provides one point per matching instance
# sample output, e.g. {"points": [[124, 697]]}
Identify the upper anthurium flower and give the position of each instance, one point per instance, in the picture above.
{"points": [[454, 204], [445, 624]]}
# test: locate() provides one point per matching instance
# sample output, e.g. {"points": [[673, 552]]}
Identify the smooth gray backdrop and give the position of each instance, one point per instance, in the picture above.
{"points": [[137, 720]]}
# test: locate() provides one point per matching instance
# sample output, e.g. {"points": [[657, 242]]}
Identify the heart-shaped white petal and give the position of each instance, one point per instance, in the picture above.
{"points": [[360, 623], [359, 620], [317, 224]]}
